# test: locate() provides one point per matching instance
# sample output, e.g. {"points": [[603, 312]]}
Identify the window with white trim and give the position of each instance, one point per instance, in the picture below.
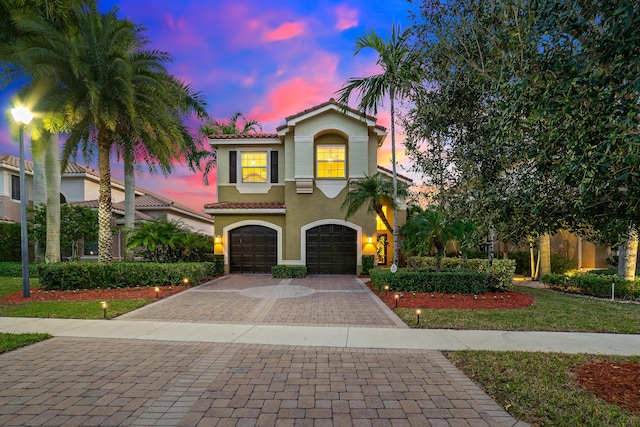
{"points": [[331, 161], [15, 187], [253, 166]]}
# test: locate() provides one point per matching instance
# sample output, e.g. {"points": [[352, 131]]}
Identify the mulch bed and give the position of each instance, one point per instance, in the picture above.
{"points": [[490, 300], [93, 294], [616, 383]]}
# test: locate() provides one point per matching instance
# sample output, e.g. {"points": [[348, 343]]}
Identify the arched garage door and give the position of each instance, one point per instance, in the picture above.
{"points": [[332, 249], [252, 249]]}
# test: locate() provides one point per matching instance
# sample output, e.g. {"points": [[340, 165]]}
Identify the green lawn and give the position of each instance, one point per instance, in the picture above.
{"points": [[539, 388], [10, 342], [552, 311]]}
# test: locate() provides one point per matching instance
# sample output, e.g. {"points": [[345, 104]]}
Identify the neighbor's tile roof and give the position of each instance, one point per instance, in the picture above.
{"points": [[390, 172], [117, 206], [245, 205], [5, 219]]}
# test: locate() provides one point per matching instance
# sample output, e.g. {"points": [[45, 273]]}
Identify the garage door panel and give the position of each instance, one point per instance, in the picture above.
{"points": [[253, 249], [331, 249]]}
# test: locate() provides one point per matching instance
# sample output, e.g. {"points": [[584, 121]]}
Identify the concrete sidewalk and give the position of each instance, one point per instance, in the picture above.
{"points": [[338, 337]]}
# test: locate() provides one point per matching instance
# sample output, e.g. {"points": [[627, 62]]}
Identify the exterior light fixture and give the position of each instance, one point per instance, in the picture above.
{"points": [[217, 240], [104, 307], [157, 289], [23, 117], [185, 281], [386, 288], [370, 240], [418, 313], [397, 298]]}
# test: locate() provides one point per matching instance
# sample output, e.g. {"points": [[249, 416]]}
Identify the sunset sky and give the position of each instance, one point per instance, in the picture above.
{"points": [[267, 60]]}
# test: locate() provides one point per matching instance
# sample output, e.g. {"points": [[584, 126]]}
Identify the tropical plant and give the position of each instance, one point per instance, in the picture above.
{"points": [[236, 124], [432, 229], [400, 75], [26, 54], [373, 192]]}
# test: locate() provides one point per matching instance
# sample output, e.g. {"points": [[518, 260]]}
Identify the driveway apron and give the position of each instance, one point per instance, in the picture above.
{"points": [[76, 381]]}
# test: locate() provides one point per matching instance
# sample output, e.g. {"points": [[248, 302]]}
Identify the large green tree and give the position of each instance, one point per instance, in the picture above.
{"points": [[540, 97], [400, 75]]}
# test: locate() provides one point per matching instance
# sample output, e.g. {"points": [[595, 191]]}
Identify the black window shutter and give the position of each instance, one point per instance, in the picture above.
{"points": [[274, 167], [233, 164]]}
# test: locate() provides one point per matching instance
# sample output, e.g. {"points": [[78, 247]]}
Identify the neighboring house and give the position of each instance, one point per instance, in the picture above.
{"points": [[279, 195], [80, 185]]}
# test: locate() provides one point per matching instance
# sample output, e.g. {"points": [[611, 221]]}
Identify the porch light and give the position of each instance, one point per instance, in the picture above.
{"points": [[104, 307], [369, 240], [217, 240]]}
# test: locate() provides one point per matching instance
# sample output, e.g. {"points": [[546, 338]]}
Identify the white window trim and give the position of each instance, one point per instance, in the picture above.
{"points": [[316, 161]]}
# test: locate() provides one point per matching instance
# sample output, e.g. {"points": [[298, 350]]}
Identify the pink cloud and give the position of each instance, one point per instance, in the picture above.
{"points": [[346, 18], [286, 31]]}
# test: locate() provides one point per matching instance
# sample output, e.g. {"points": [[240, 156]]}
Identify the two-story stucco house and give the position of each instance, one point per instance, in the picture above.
{"points": [[280, 194]]}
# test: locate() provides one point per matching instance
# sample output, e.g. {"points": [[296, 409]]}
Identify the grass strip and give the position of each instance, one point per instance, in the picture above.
{"points": [[552, 311], [540, 389], [71, 309], [10, 342]]}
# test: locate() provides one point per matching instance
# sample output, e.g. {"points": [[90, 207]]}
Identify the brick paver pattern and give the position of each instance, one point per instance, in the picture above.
{"points": [[87, 382], [340, 301]]}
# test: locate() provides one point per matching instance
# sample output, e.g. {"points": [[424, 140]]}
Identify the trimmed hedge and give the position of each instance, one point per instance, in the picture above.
{"points": [[450, 282], [85, 275], [14, 269], [288, 271], [367, 264], [596, 285], [501, 272]]}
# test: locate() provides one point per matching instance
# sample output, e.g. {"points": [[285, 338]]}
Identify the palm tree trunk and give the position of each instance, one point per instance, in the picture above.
{"points": [[105, 239], [129, 196], [395, 176], [545, 255], [383, 218], [621, 261], [52, 178], [631, 255], [39, 195]]}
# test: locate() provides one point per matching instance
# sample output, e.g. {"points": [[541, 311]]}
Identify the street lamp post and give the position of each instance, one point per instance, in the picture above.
{"points": [[23, 117]]}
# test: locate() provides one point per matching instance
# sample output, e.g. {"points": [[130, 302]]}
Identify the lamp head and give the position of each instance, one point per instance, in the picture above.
{"points": [[22, 115]]}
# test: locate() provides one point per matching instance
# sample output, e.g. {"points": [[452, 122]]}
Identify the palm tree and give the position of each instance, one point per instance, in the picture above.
{"points": [[373, 192], [401, 73], [231, 126], [431, 229], [26, 52]]}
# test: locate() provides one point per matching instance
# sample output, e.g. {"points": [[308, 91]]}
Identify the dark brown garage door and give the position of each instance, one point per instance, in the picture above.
{"points": [[253, 249], [332, 249]]}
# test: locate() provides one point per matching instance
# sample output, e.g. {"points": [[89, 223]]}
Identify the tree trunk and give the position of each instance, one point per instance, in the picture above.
{"points": [[129, 196], [631, 255], [105, 238], [621, 260], [395, 175], [383, 218], [532, 257], [39, 194], [52, 176], [545, 255]]}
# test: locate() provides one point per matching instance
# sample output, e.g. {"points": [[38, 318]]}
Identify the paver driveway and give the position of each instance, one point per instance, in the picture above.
{"points": [[98, 381]]}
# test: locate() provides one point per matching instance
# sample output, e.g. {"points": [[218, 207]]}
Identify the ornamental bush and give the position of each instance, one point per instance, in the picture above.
{"points": [[501, 272], [288, 271], [367, 264], [84, 275], [14, 269], [597, 285], [450, 282]]}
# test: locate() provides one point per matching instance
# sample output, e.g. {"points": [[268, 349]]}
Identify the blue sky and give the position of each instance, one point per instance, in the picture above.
{"points": [[267, 60]]}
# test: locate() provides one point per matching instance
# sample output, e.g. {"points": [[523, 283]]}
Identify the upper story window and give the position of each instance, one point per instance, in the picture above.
{"points": [[331, 161], [253, 166], [15, 187]]}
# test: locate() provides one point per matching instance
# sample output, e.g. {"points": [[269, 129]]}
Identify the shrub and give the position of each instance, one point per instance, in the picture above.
{"points": [[14, 269], [560, 264], [458, 281], [597, 285], [288, 271], [83, 275], [11, 249], [523, 262], [501, 272], [367, 263]]}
